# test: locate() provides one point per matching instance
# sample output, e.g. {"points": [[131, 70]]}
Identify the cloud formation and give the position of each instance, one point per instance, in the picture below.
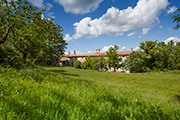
{"points": [[79, 6], [123, 48], [145, 31], [37, 3], [175, 39], [136, 48], [115, 22], [106, 48], [133, 33], [171, 10]]}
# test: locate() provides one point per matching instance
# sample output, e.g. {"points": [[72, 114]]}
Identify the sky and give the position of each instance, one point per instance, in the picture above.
{"points": [[100, 24]]}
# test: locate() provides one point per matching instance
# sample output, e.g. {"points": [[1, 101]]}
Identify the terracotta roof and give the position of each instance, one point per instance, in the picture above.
{"points": [[64, 59], [96, 54], [125, 52]]}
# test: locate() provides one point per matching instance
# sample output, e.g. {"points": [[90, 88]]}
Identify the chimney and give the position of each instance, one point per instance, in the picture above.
{"points": [[131, 49], [69, 53], [74, 52], [98, 50]]}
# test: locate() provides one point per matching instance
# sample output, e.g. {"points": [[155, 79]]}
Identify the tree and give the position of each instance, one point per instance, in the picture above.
{"points": [[77, 64], [113, 58], [100, 63], [55, 44], [176, 19], [177, 56], [135, 62], [29, 36], [149, 48], [15, 13], [88, 63], [154, 57]]}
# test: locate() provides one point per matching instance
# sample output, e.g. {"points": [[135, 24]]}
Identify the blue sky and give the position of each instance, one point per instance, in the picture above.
{"points": [[99, 24]]}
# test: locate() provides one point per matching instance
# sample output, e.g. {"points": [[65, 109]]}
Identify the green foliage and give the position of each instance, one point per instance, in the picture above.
{"points": [[100, 63], [113, 58], [135, 62], [25, 36], [89, 63], [176, 18], [177, 56], [61, 93], [154, 57], [77, 64], [97, 63]]}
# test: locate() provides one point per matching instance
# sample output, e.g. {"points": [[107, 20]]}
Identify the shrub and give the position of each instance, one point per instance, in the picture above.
{"points": [[77, 64]]}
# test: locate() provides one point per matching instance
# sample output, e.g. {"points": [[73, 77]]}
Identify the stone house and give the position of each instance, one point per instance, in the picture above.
{"points": [[68, 60]]}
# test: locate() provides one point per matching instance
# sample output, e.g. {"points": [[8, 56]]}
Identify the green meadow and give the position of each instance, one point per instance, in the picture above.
{"points": [[60, 93]]}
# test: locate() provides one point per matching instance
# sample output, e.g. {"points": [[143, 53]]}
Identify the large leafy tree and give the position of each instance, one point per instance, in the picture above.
{"points": [[176, 18], [26, 35], [135, 62], [55, 44], [113, 59], [13, 14], [149, 48]]}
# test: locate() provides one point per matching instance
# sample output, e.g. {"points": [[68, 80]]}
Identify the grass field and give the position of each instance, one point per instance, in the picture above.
{"points": [[55, 93]]}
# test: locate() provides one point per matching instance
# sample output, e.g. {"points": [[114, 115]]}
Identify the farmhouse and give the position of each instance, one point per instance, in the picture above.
{"points": [[69, 59]]}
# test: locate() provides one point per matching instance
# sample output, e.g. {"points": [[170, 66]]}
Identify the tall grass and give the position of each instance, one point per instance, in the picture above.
{"points": [[66, 93]]}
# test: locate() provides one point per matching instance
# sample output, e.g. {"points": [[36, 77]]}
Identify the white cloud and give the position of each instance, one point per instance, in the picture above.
{"points": [[136, 48], [50, 6], [67, 37], [79, 6], [50, 15], [160, 26], [116, 22], [145, 30], [123, 48], [37, 3], [171, 10], [42, 16], [133, 33], [106, 48], [175, 39], [139, 36]]}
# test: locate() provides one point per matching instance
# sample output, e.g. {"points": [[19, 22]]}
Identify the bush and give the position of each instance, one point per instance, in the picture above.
{"points": [[77, 64]]}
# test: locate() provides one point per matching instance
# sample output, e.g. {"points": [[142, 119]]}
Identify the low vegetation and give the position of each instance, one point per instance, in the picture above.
{"points": [[68, 93]]}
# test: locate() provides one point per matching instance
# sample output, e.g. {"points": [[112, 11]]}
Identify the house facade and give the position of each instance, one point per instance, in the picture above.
{"points": [[69, 59]]}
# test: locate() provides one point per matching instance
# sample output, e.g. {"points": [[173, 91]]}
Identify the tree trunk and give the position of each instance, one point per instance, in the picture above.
{"points": [[114, 69], [3, 40], [25, 53]]}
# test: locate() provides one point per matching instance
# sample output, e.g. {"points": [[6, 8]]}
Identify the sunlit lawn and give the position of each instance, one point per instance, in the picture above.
{"points": [[69, 93]]}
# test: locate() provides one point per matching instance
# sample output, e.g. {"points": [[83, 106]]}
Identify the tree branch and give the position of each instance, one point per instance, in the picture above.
{"points": [[4, 38]]}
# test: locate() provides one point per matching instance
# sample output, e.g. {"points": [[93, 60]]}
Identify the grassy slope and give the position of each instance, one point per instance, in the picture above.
{"points": [[68, 93], [159, 86]]}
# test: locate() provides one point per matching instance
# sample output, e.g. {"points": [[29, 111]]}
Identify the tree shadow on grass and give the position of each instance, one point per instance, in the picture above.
{"points": [[79, 81], [63, 72], [177, 98]]}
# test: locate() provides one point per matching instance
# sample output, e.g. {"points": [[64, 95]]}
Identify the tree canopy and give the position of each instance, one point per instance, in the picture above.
{"points": [[156, 56], [24, 35], [113, 58]]}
